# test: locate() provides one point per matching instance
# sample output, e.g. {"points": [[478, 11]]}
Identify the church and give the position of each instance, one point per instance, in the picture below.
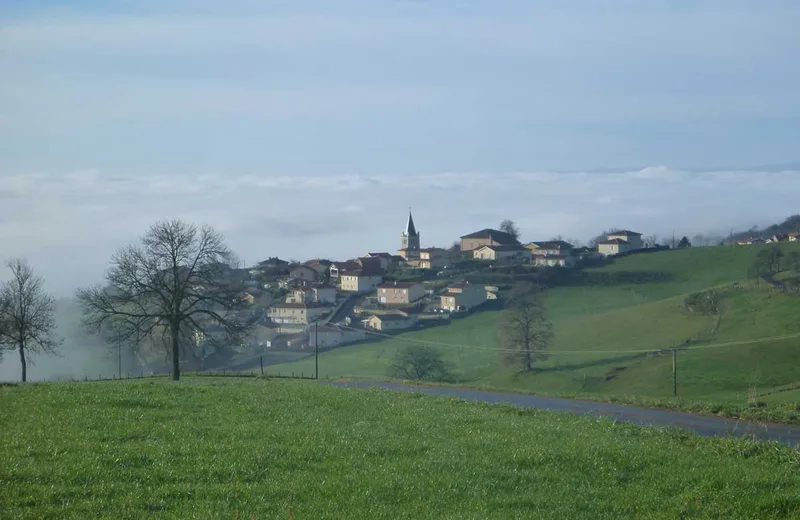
{"points": [[410, 248]]}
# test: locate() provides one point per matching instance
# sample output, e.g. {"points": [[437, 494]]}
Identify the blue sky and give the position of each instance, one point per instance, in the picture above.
{"points": [[292, 124]]}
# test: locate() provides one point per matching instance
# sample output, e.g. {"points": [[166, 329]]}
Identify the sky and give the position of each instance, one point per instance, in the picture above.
{"points": [[305, 129]]}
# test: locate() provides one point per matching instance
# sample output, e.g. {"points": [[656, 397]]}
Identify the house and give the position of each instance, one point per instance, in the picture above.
{"points": [[631, 237], [554, 260], [487, 237], [247, 298], [295, 313], [387, 322], [793, 237], [371, 263], [778, 237], [552, 247], [325, 294], [619, 242], [613, 247], [507, 253], [463, 296], [337, 269], [385, 259], [301, 295], [329, 336], [433, 257], [304, 273], [400, 292], [360, 281]]}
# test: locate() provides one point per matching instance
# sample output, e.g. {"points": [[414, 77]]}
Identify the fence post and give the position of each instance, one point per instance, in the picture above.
{"points": [[674, 372], [261, 358]]}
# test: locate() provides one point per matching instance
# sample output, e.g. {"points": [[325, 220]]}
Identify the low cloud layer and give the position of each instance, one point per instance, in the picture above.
{"points": [[68, 225]]}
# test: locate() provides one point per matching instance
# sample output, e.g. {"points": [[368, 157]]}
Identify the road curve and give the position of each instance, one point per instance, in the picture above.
{"points": [[700, 424]]}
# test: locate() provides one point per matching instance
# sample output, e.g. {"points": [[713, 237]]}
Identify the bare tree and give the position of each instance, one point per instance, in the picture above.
{"points": [[508, 226], [27, 315], [420, 362], [651, 241], [526, 331], [177, 282]]}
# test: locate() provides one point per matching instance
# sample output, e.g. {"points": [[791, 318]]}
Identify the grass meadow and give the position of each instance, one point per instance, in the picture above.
{"points": [[256, 449]]}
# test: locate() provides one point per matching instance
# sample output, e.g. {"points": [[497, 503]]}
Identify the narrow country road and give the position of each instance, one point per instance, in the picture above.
{"points": [[701, 424]]}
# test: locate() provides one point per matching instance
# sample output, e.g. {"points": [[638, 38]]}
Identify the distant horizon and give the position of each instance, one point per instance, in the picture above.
{"points": [[70, 241]]}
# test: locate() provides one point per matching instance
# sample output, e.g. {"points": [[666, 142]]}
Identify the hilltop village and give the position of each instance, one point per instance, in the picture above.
{"points": [[324, 303]]}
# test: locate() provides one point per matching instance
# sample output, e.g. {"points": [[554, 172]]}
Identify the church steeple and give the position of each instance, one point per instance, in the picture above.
{"points": [[410, 229], [410, 239]]}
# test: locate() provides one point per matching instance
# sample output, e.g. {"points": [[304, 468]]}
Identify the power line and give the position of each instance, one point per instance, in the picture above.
{"points": [[632, 351]]}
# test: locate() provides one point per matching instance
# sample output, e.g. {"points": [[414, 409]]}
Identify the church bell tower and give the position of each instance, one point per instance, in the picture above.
{"points": [[410, 239]]}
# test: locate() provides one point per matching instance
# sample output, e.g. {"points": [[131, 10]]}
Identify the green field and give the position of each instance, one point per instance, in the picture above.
{"points": [[257, 449], [607, 324]]}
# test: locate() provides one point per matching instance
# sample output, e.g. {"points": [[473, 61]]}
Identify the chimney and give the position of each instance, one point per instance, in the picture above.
{"points": [[395, 283]]}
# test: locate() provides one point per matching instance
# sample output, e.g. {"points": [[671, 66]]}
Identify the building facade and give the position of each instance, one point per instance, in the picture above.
{"points": [[463, 296], [400, 292], [295, 313], [359, 281], [509, 253]]}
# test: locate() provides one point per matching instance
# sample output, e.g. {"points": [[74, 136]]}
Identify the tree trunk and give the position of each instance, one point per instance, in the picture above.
{"points": [[22, 361], [176, 352], [528, 363]]}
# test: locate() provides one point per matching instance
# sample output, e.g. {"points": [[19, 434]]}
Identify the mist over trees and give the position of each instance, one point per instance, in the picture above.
{"points": [[171, 286], [27, 315]]}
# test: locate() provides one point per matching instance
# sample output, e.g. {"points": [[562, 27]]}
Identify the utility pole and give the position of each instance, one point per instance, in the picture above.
{"points": [[316, 350], [674, 372], [673, 239], [119, 355]]}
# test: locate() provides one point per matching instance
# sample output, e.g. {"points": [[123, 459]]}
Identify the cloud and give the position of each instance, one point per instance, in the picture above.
{"points": [[68, 224]]}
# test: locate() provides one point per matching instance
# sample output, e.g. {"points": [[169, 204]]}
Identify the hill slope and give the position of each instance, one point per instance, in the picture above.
{"points": [[208, 448], [602, 325]]}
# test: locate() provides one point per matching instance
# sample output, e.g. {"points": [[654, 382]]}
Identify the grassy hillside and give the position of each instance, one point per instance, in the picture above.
{"points": [[638, 304], [258, 449]]}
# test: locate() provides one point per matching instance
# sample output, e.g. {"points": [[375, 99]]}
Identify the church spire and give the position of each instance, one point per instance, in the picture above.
{"points": [[411, 230]]}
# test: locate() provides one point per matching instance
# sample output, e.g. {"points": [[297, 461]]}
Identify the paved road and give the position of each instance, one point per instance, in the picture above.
{"points": [[701, 424], [345, 308]]}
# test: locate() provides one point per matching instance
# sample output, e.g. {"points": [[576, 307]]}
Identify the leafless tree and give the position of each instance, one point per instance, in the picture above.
{"points": [[508, 226], [176, 282], [526, 331], [27, 315], [651, 241]]}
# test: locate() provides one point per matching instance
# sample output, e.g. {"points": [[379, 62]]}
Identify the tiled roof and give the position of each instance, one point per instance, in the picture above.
{"points": [[498, 236], [507, 247], [612, 242], [624, 232]]}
